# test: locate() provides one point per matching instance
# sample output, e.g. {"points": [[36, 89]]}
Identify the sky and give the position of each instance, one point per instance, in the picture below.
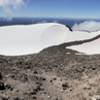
{"points": [[50, 8]]}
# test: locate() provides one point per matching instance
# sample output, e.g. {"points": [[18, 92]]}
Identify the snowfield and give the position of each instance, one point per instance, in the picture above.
{"points": [[88, 48], [27, 39]]}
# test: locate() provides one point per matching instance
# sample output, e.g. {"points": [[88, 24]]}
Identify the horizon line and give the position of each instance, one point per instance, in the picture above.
{"points": [[51, 18]]}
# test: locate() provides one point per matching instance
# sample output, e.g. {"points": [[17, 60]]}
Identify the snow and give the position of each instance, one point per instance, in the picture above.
{"points": [[27, 39], [89, 48]]}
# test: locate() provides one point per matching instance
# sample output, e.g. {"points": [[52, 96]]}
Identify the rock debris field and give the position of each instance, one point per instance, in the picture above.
{"points": [[55, 73]]}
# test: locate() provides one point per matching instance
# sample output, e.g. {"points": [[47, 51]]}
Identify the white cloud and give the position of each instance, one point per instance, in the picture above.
{"points": [[8, 5], [11, 3], [89, 26]]}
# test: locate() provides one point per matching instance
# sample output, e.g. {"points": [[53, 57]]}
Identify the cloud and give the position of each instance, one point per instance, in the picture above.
{"points": [[89, 26], [9, 5]]}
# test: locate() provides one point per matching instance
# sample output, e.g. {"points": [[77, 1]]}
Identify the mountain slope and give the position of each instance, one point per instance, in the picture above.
{"points": [[22, 40], [55, 73]]}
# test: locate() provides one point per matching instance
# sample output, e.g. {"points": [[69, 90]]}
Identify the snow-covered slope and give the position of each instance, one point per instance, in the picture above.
{"points": [[88, 48], [21, 39]]}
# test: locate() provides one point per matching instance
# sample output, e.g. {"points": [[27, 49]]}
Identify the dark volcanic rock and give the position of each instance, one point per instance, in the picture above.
{"points": [[1, 77], [2, 86], [65, 86]]}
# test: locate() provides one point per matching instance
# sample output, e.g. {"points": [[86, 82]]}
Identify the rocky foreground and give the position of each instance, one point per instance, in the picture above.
{"points": [[55, 73]]}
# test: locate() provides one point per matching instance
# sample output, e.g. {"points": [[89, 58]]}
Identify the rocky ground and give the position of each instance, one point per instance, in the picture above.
{"points": [[55, 73]]}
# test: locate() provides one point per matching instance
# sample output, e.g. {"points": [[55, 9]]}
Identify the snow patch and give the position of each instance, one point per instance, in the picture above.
{"points": [[88, 48], [68, 53]]}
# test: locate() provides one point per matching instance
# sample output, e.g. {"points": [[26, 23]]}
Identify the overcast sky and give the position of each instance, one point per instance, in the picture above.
{"points": [[50, 8]]}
